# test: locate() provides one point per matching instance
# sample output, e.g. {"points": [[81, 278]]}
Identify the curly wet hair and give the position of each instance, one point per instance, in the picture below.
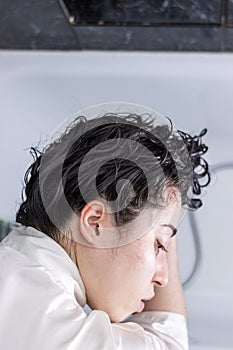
{"points": [[178, 154]]}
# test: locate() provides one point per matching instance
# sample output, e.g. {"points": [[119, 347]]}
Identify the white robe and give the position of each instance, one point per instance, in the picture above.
{"points": [[42, 297]]}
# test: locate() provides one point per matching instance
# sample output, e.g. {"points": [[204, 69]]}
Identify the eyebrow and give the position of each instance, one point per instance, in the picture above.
{"points": [[174, 230]]}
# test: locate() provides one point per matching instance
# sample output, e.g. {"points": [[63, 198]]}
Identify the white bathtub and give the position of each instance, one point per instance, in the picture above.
{"points": [[40, 89]]}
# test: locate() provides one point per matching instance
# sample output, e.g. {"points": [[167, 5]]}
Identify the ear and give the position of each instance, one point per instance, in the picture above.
{"points": [[83, 226], [94, 213]]}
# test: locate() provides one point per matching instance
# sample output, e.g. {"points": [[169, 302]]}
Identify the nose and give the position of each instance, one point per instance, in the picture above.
{"points": [[160, 277]]}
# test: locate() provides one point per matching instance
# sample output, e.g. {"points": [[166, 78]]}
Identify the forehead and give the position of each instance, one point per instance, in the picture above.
{"points": [[164, 220], [151, 221]]}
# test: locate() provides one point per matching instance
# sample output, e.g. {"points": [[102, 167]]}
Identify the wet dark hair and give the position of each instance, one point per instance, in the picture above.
{"points": [[178, 154]]}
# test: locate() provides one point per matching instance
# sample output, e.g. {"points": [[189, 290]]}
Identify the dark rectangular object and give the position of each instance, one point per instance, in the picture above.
{"points": [[142, 12]]}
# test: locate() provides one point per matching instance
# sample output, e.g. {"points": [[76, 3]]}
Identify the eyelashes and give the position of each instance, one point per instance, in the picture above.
{"points": [[159, 247]]}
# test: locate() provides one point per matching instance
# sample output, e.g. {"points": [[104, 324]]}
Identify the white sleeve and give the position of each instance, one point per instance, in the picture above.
{"points": [[166, 328], [37, 312], [162, 332]]}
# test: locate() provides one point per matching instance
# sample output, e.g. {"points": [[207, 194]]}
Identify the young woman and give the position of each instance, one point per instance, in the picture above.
{"points": [[98, 226]]}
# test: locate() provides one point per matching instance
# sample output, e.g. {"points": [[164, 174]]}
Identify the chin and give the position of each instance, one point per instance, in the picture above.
{"points": [[114, 316], [124, 317], [118, 317], [115, 319]]}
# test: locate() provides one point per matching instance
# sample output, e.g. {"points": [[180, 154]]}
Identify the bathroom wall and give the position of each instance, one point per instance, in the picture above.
{"points": [[165, 25]]}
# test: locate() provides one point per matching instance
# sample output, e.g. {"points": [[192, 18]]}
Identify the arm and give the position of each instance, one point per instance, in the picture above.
{"points": [[171, 297]]}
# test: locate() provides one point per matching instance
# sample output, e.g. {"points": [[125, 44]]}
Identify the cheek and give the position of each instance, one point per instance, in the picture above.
{"points": [[144, 261]]}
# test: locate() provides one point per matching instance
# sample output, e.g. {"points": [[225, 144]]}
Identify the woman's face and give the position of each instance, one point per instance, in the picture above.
{"points": [[116, 282]]}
